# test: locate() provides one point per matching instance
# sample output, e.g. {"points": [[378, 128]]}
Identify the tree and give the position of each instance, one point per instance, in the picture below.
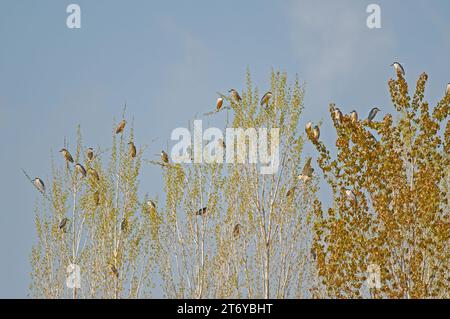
{"points": [[107, 231], [251, 240], [390, 201]]}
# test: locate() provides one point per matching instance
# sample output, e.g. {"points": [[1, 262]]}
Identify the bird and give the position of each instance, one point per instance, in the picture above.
{"points": [[63, 223], [308, 127], [222, 143], [164, 157], [66, 155], [90, 153], [398, 67], [354, 117], [266, 98], [291, 192], [80, 169], [235, 95], [219, 104], [39, 184], [132, 149], [124, 225], [151, 204], [121, 126], [316, 133], [350, 195], [337, 115], [114, 270], [94, 173], [373, 113], [201, 211], [447, 91], [237, 230], [307, 171]]}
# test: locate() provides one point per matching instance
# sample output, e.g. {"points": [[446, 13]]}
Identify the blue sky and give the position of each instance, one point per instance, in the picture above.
{"points": [[168, 59]]}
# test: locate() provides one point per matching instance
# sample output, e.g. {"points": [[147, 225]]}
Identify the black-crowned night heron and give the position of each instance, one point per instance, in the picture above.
{"points": [[132, 149], [307, 171], [164, 157], [237, 230], [337, 115], [79, 168], [350, 195], [354, 117], [151, 204], [316, 133], [201, 211], [90, 153], [219, 103], [63, 223], [39, 184], [222, 143], [373, 113], [66, 155], [398, 67], [235, 96], [93, 173], [121, 126], [308, 128], [124, 225], [114, 270], [266, 98], [291, 192]]}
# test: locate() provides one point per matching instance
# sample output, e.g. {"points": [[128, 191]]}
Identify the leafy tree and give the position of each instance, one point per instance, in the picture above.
{"points": [[253, 240], [390, 183], [107, 230]]}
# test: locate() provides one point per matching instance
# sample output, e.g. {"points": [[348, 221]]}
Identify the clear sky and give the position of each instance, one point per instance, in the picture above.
{"points": [[168, 59]]}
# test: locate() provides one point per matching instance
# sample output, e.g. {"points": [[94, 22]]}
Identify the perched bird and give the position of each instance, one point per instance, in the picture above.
{"points": [[222, 143], [124, 225], [114, 270], [291, 192], [151, 204], [132, 149], [350, 195], [90, 153], [307, 171], [447, 91], [81, 169], [219, 103], [67, 155], [237, 230], [63, 223], [201, 211], [39, 184], [235, 95], [373, 113], [266, 98], [308, 128], [316, 133], [372, 137], [93, 173], [337, 115], [398, 67], [164, 157], [121, 126], [354, 117]]}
